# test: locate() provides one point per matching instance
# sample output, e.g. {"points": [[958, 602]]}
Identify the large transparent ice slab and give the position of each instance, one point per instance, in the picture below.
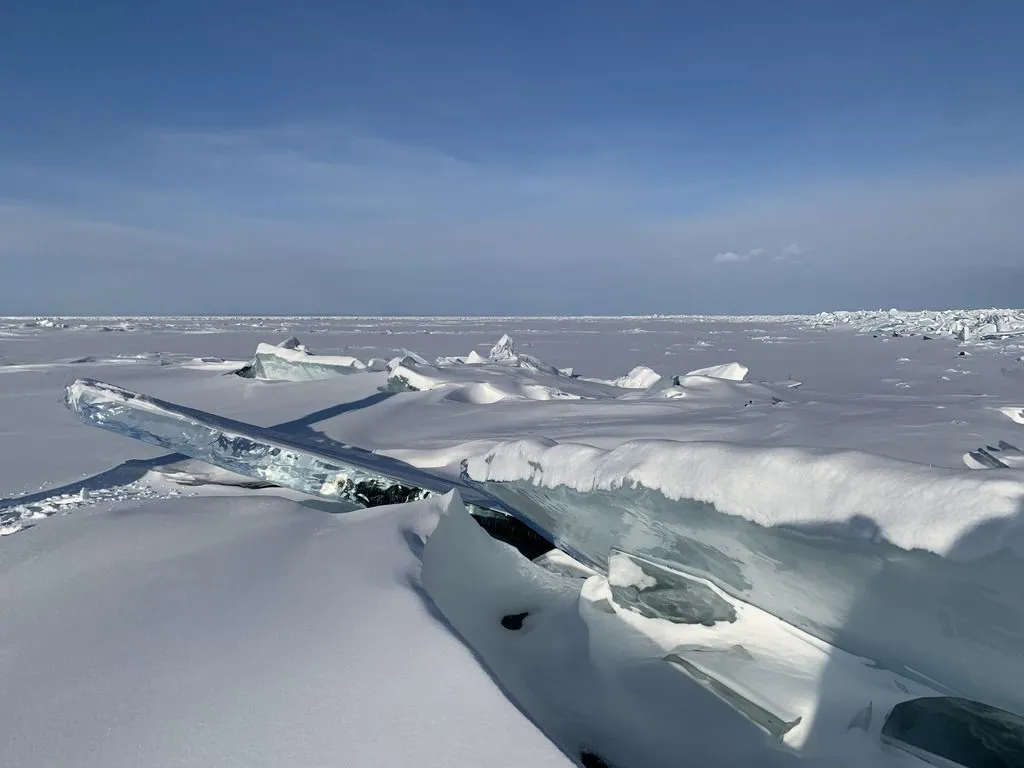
{"points": [[347, 474]]}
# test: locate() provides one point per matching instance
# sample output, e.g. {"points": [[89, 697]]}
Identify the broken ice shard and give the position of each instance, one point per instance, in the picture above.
{"points": [[658, 591], [774, 724], [346, 473]]}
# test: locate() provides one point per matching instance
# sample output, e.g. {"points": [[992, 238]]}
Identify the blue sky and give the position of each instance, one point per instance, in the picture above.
{"points": [[530, 157]]}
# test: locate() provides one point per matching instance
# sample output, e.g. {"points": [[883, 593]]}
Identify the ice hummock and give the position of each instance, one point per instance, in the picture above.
{"points": [[912, 567], [504, 351], [505, 374], [292, 361]]}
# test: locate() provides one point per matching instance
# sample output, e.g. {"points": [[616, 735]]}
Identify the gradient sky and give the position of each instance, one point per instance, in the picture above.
{"points": [[550, 156]]}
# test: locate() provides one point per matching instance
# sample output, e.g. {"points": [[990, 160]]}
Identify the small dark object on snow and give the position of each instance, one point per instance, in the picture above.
{"points": [[896, 334], [926, 338], [961, 354], [514, 621]]}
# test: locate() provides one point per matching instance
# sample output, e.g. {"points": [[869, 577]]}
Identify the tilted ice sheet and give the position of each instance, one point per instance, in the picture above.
{"points": [[348, 474], [913, 568]]}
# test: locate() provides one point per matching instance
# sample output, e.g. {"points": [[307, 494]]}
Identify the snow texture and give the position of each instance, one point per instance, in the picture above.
{"points": [[158, 612]]}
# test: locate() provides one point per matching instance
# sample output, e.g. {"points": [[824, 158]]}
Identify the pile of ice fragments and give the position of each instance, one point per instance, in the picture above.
{"points": [[963, 324]]}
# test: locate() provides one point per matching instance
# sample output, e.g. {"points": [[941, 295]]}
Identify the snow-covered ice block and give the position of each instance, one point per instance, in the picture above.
{"points": [[293, 362], [913, 567], [602, 679]]}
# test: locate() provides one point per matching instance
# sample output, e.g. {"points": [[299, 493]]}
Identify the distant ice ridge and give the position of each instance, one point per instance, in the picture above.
{"points": [[971, 323], [962, 324]]}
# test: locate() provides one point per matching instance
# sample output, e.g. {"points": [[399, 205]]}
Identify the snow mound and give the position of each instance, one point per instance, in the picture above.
{"points": [[1013, 413], [705, 391], [727, 371], [913, 506], [238, 632], [456, 389], [480, 393], [640, 377]]}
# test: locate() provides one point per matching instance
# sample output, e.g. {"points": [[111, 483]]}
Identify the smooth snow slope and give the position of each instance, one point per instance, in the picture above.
{"points": [[240, 632]]}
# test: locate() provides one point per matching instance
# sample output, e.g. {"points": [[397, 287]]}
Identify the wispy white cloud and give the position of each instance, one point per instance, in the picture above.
{"points": [[743, 257], [731, 257]]}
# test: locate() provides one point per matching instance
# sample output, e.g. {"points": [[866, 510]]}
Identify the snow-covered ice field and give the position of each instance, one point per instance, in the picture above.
{"points": [[858, 464]]}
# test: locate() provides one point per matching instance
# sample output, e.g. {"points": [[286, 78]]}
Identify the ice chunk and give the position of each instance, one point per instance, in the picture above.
{"points": [[658, 591], [504, 351], [771, 722], [291, 361], [351, 475]]}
